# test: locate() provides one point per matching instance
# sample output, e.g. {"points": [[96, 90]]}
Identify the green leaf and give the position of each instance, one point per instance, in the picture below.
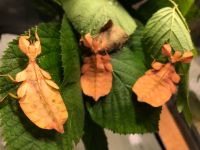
{"points": [[94, 137], [182, 99], [166, 25], [71, 86], [89, 16], [183, 92], [146, 9], [17, 130], [120, 111]]}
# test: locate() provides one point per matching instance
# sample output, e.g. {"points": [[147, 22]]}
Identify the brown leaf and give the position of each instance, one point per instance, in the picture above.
{"points": [[111, 37], [40, 98], [157, 85], [96, 79]]}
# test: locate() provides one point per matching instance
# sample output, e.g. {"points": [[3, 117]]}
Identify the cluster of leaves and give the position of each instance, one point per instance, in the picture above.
{"points": [[61, 57]]}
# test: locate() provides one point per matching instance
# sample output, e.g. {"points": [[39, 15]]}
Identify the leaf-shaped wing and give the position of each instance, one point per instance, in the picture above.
{"points": [[157, 86], [96, 79]]}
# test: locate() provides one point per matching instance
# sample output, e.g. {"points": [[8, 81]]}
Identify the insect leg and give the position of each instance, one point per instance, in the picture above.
{"points": [[13, 95], [9, 94], [9, 76]]}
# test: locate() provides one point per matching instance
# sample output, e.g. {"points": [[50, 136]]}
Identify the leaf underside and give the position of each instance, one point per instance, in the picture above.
{"points": [[120, 111], [90, 16], [166, 25]]}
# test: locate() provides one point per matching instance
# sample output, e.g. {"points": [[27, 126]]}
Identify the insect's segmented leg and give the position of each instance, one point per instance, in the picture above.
{"points": [[9, 94], [13, 95], [36, 34], [9, 76]]}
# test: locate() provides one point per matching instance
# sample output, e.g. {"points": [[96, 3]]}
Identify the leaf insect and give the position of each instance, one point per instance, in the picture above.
{"points": [[158, 84], [38, 94], [96, 78]]}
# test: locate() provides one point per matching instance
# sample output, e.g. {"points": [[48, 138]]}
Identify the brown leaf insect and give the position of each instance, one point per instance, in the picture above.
{"points": [[39, 95], [158, 84], [96, 79]]}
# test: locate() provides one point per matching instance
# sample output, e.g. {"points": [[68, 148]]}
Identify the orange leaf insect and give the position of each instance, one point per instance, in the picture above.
{"points": [[39, 96], [158, 84], [96, 79]]}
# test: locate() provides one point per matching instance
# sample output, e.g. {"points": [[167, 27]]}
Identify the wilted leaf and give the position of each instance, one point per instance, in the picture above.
{"points": [[90, 16], [96, 79]]}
